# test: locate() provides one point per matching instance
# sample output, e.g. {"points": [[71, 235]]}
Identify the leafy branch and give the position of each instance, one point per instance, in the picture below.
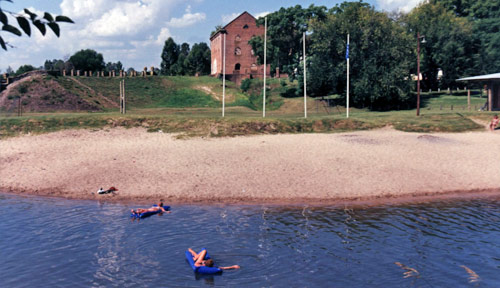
{"points": [[24, 20]]}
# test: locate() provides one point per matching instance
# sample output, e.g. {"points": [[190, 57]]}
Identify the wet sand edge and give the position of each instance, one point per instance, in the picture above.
{"points": [[364, 201]]}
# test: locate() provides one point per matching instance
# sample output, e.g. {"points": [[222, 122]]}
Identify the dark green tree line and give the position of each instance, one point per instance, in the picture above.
{"points": [[182, 60]]}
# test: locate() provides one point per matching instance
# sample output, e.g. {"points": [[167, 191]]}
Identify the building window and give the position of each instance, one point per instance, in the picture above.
{"points": [[253, 67], [237, 66], [237, 51], [237, 38], [252, 52], [245, 26]]}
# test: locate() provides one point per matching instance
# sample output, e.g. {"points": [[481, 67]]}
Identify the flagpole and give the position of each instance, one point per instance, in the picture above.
{"points": [[224, 77], [305, 82], [265, 66], [347, 56]]}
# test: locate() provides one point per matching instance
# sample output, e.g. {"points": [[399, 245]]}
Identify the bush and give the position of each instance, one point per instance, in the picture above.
{"points": [[22, 89], [245, 84], [289, 93]]}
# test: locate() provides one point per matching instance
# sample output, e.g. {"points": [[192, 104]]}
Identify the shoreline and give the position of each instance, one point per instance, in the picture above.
{"points": [[382, 200], [283, 169]]}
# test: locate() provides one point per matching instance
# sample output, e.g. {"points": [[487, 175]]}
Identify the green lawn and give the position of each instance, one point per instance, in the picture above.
{"points": [[191, 106]]}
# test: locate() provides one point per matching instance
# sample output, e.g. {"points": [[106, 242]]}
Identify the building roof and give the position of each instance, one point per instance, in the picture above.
{"points": [[494, 76], [223, 29]]}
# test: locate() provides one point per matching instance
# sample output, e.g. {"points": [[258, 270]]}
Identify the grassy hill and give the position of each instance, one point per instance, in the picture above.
{"points": [[192, 106]]}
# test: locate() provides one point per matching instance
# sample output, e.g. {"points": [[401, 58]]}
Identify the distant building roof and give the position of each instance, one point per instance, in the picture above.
{"points": [[223, 29], [494, 76]]}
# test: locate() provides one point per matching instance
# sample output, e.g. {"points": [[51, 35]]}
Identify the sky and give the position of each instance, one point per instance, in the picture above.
{"points": [[134, 31]]}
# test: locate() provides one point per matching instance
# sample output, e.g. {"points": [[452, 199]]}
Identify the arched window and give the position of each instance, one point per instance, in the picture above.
{"points": [[245, 26], [237, 38], [253, 67], [237, 51], [237, 66]]}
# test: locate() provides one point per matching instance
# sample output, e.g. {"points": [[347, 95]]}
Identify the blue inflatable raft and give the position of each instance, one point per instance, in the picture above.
{"points": [[202, 269], [147, 214]]}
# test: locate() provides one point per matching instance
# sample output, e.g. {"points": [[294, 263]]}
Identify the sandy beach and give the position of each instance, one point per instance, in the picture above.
{"points": [[298, 168]]}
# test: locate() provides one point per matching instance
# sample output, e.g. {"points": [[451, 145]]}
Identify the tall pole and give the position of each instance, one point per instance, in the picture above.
{"points": [[121, 98], [123, 89], [265, 64], [224, 77], [347, 56], [418, 73], [305, 77]]}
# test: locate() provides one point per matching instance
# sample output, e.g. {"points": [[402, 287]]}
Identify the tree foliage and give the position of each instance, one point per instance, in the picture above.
{"points": [[181, 60], [87, 60], [26, 20], [24, 68], [449, 45], [198, 60], [169, 57], [110, 66], [285, 29], [380, 54], [484, 16], [57, 65]]}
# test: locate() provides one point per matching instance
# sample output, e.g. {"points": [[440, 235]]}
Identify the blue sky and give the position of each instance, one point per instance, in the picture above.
{"points": [[133, 31]]}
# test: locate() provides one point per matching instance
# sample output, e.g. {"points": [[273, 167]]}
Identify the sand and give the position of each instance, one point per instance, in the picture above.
{"points": [[289, 168]]}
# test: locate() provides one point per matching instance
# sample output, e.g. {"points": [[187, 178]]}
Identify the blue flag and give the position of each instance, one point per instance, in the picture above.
{"points": [[347, 52]]}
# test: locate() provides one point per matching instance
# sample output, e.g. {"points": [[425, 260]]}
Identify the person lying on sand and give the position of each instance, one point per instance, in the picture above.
{"points": [[152, 209], [110, 190], [199, 260], [494, 122]]}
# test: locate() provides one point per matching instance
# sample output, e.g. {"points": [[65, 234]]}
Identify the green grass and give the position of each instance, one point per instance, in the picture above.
{"points": [[191, 106], [159, 91]]}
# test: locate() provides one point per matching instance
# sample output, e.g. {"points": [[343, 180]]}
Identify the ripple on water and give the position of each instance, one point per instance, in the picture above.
{"points": [[56, 242]]}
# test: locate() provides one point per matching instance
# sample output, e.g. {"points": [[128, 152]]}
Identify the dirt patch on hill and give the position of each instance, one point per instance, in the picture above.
{"points": [[217, 96], [39, 92]]}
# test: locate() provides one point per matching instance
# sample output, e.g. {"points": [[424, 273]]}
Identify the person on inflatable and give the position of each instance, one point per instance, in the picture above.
{"points": [[198, 260], [152, 209]]}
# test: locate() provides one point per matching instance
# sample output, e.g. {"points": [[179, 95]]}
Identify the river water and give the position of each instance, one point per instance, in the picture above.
{"points": [[48, 242]]}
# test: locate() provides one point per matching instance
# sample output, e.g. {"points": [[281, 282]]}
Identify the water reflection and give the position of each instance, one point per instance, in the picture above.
{"points": [[56, 242]]}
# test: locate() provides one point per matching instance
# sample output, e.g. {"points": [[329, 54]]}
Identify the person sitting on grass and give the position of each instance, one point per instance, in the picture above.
{"points": [[494, 122], [198, 259], [139, 211]]}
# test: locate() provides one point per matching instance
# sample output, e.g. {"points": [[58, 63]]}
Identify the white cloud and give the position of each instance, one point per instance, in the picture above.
{"points": [[398, 5], [261, 14], [228, 18], [163, 36], [187, 19]]}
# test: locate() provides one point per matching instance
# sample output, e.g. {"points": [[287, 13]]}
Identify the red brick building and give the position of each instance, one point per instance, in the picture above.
{"points": [[241, 62]]}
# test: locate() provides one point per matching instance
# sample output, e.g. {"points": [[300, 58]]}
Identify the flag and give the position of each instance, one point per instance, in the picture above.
{"points": [[347, 52]]}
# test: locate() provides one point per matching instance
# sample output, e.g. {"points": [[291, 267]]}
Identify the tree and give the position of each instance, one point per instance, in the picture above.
{"points": [[380, 53], [484, 16], [285, 29], [9, 70], [54, 65], [179, 68], [87, 60], [198, 60], [130, 71], [23, 21], [110, 66], [24, 68], [169, 57], [217, 28], [449, 44]]}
